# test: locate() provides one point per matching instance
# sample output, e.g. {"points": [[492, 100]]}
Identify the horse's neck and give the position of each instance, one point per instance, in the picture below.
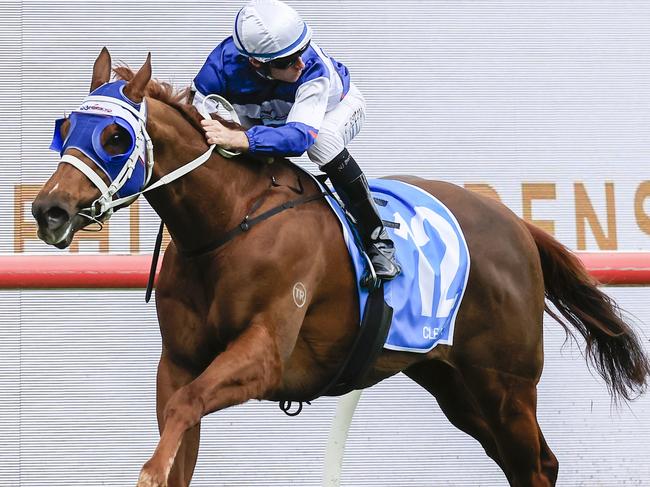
{"points": [[208, 201]]}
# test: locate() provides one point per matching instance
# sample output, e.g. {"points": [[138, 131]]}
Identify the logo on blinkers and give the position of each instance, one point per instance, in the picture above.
{"points": [[95, 107], [299, 294]]}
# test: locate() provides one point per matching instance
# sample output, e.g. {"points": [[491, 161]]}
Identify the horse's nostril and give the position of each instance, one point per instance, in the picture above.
{"points": [[55, 217]]}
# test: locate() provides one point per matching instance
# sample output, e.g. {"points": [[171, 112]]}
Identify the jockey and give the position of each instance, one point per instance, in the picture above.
{"points": [[292, 98]]}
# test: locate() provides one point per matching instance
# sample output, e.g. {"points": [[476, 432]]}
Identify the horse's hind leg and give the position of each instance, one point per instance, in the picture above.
{"points": [[455, 400], [550, 464], [508, 403], [502, 419]]}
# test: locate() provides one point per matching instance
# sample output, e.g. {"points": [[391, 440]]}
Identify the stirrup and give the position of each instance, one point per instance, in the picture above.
{"points": [[369, 279]]}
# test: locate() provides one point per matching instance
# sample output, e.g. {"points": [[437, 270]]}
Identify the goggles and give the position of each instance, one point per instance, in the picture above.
{"points": [[288, 61]]}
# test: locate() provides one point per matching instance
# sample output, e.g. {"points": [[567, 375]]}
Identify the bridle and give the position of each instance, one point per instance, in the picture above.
{"points": [[103, 207]]}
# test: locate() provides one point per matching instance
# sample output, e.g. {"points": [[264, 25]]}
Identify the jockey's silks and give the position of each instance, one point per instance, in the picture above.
{"points": [[290, 113]]}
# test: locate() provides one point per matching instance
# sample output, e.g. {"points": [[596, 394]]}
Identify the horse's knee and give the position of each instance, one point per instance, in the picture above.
{"points": [[185, 408]]}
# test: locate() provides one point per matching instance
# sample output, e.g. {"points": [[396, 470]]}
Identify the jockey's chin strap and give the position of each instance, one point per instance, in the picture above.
{"points": [[102, 208]]}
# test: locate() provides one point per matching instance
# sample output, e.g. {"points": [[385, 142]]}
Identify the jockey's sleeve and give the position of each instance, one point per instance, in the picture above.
{"points": [[303, 122], [210, 78]]}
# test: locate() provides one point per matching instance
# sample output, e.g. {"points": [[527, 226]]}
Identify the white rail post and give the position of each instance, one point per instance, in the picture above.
{"points": [[338, 434]]}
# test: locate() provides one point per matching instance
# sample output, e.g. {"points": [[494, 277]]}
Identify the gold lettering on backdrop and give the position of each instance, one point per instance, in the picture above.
{"points": [[166, 239], [483, 189], [585, 213], [642, 218], [25, 227], [537, 191], [134, 227]]}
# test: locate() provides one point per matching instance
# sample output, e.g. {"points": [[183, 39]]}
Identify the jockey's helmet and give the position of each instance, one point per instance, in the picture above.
{"points": [[269, 29]]}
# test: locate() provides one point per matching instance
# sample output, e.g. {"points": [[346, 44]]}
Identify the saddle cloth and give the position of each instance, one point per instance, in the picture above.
{"points": [[433, 254]]}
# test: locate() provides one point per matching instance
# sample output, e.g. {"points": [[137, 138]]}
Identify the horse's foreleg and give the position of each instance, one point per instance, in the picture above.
{"points": [[169, 379], [249, 368]]}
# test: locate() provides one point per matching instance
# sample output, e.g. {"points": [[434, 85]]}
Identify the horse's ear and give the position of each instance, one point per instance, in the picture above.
{"points": [[134, 90], [101, 70]]}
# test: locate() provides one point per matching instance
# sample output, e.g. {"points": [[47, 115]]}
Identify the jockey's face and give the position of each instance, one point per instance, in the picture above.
{"points": [[288, 75]]}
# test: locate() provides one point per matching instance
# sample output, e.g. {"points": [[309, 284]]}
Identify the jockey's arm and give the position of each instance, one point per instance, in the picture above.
{"points": [[302, 125], [215, 132], [291, 139]]}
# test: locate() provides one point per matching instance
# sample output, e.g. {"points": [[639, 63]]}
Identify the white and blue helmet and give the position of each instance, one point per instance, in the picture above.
{"points": [[269, 29]]}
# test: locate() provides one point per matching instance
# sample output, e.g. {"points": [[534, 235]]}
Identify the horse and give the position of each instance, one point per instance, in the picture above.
{"points": [[232, 330]]}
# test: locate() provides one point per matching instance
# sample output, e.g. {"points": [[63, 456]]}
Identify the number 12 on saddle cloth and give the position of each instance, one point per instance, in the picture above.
{"points": [[435, 261]]}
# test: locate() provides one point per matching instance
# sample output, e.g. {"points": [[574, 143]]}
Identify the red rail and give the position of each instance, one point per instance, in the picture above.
{"points": [[132, 271], [74, 271], [618, 268]]}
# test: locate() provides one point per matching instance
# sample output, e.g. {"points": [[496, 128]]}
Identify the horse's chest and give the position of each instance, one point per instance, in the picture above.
{"points": [[190, 336]]}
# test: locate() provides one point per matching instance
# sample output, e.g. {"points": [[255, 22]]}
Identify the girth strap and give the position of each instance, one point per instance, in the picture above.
{"points": [[375, 325]]}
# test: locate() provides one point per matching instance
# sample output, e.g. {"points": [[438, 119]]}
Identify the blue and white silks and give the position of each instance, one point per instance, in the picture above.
{"points": [[290, 114], [433, 254]]}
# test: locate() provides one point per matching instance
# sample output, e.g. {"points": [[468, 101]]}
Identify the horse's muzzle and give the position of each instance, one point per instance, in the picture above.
{"points": [[54, 222]]}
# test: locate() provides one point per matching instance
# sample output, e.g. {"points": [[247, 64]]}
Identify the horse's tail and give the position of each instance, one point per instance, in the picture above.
{"points": [[611, 344]]}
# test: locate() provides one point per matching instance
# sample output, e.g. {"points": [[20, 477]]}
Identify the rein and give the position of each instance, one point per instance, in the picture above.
{"points": [[248, 222]]}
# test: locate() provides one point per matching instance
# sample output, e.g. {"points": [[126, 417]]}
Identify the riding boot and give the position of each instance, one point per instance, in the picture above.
{"points": [[352, 187]]}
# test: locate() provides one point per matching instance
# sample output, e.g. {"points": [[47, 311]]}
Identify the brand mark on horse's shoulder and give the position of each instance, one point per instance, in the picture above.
{"points": [[299, 294]]}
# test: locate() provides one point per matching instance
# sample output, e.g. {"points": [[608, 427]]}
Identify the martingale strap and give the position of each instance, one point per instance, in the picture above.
{"points": [[154, 262], [244, 226], [247, 223]]}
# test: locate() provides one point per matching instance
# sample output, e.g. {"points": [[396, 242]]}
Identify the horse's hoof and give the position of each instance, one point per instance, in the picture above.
{"points": [[148, 480]]}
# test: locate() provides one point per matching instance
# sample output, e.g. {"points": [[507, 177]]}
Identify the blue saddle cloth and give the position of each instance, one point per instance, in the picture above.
{"points": [[431, 249]]}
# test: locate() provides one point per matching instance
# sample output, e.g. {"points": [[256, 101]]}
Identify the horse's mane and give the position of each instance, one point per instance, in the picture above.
{"points": [[177, 99]]}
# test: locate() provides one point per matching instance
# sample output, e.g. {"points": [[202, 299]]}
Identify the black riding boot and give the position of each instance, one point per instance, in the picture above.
{"points": [[352, 187]]}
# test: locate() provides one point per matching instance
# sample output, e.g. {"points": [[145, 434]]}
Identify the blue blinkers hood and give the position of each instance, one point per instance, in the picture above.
{"points": [[86, 126]]}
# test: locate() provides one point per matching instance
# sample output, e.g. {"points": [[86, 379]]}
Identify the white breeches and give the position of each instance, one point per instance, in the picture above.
{"points": [[339, 127]]}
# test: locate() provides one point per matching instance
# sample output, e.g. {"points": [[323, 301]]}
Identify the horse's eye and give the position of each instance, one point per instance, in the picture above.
{"points": [[114, 139]]}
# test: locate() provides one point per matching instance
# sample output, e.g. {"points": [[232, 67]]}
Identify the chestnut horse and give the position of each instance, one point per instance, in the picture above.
{"points": [[231, 330]]}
